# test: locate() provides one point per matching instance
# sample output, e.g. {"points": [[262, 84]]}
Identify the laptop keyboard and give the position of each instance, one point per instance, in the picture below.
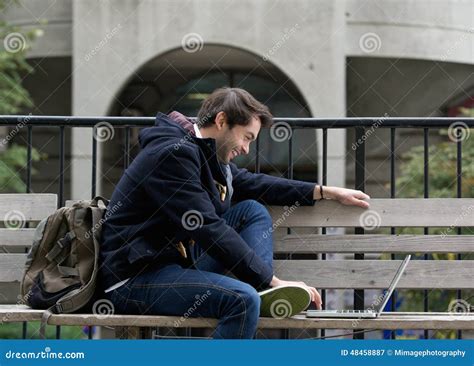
{"points": [[351, 311], [345, 311]]}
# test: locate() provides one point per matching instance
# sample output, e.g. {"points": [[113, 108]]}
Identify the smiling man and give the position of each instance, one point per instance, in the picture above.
{"points": [[191, 235]]}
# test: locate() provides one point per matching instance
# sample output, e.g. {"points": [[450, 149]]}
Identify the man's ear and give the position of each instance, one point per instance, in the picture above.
{"points": [[221, 120]]}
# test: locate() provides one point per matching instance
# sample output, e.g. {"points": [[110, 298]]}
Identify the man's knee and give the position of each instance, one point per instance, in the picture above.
{"points": [[245, 299], [251, 298], [256, 209]]}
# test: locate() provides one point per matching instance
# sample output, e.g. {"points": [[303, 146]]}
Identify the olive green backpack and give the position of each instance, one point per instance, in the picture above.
{"points": [[61, 268]]}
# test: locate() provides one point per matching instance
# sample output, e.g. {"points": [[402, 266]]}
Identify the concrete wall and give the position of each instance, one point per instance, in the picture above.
{"points": [[441, 30], [50, 89], [53, 17], [423, 29], [398, 88]]}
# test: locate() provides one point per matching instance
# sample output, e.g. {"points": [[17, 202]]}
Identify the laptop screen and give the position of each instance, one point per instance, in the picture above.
{"points": [[394, 283]]}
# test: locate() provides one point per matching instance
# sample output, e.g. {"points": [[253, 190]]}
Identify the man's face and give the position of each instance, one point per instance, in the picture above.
{"points": [[236, 141]]}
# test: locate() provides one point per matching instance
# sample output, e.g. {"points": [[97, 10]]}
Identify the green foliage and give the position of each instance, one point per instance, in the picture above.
{"points": [[442, 170], [442, 166], [12, 160], [15, 43], [468, 112], [14, 331]]}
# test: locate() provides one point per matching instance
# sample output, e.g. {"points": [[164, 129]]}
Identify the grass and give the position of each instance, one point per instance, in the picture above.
{"points": [[15, 331]]}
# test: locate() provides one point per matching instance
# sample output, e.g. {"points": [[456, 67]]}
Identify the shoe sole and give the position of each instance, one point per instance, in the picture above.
{"points": [[284, 302]]}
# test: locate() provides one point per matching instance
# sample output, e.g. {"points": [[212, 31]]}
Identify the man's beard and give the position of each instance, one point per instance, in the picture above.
{"points": [[225, 157]]}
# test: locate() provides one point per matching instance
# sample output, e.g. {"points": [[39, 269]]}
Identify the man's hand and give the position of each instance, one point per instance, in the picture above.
{"points": [[349, 197], [315, 296]]}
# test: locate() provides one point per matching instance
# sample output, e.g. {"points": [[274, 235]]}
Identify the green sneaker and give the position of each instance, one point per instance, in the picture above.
{"points": [[284, 301]]}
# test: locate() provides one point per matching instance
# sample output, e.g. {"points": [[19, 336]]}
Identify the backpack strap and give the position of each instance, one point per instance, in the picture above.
{"points": [[77, 299], [54, 255], [96, 199], [64, 242], [44, 320], [68, 271]]}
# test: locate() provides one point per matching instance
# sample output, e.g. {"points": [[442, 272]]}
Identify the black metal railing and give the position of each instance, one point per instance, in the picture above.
{"points": [[324, 124]]}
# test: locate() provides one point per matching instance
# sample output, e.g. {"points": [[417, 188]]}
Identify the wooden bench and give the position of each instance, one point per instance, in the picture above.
{"points": [[323, 274]]}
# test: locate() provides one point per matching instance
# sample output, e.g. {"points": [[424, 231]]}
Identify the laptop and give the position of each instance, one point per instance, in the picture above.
{"points": [[369, 313]]}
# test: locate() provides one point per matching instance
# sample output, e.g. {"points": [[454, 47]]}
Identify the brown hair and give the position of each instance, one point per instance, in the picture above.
{"points": [[237, 104]]}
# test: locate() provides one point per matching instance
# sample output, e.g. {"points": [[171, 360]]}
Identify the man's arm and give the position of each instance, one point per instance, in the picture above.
{"points": [[349, 197], [277, 191], [270, 190], [174, 184]]}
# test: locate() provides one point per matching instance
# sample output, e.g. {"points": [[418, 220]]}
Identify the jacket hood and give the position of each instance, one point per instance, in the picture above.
{"points": [[167, 126]]}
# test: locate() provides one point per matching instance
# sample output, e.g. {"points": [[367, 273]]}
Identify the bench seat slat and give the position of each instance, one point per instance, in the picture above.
{"points": [[386, 321], [392, 322]]}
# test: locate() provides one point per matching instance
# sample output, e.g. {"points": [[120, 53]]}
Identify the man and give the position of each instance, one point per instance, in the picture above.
{"points": [[173, 238]]}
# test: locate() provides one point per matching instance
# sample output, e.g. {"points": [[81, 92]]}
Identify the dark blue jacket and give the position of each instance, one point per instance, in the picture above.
{"points": [[150, 210]]}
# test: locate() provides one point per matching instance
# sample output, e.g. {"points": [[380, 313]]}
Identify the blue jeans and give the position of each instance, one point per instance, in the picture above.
{"points": [[205, 291]]}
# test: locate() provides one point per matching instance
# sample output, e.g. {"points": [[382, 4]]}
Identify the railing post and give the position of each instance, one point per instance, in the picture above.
{"points": [[426, 195], [360, 185], [323, 230]]}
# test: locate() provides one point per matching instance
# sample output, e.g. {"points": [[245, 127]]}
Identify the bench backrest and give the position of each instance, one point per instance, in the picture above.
{"points": [[18, 212], [377, 274]]}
